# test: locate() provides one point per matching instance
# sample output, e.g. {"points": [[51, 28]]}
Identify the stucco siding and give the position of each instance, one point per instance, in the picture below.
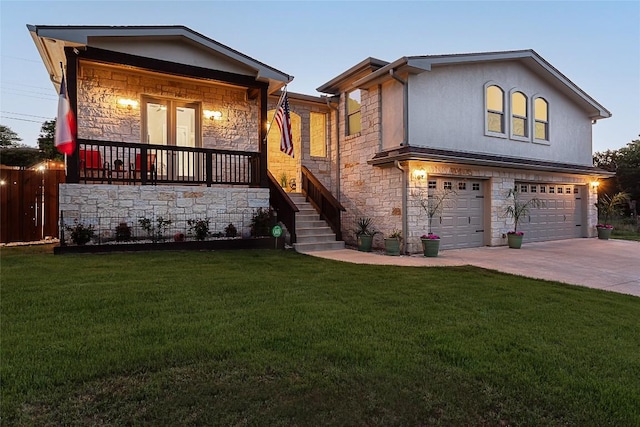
{"points": [[392, 114], [173, 51], [446, 110]]}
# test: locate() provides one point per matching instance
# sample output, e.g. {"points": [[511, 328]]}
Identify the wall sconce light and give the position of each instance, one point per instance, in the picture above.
{"points": [[3, 182], [129, 103], [212, 115], [419, 174], [594, 184]]}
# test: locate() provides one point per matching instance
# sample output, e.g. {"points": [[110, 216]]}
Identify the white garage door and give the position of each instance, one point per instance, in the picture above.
{"points": [[559, 217], [461, 224]]}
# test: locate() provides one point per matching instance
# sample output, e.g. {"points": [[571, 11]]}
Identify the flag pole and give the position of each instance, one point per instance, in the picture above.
{"points": [[284, 92]]}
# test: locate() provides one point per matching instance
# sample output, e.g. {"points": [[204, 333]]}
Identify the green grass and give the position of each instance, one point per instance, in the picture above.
{"points": [[626, 229], [278, 338]]}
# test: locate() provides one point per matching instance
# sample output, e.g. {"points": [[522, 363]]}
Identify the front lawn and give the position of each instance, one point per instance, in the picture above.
{"points": [[278, 338]]}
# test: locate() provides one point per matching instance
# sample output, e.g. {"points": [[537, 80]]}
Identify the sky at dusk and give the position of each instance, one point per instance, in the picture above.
{"points": [[595, 44]]}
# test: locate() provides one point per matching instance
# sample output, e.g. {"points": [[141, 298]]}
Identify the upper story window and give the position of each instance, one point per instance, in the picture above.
{"points": [[318, 134], [495, 109], [519, 115], [541, 114], [354, 116]]}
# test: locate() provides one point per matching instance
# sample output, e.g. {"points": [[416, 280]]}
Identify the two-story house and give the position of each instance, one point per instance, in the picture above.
{"points": [[476, 124], [174, 123]]}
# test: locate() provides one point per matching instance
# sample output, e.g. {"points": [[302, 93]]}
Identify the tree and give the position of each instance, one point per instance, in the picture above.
{"points": [[46, 141], [9, 138], [625, 162]]}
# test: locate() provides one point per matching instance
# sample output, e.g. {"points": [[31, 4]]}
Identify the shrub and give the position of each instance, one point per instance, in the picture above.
{"points": [[230, 231], [80, 233], [123, 232], [261, 222], [155, 232], [199, 227]]}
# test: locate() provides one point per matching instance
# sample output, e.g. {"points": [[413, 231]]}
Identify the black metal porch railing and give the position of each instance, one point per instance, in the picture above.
{"points": [[111, 162], [322, 199], [283, 205]]}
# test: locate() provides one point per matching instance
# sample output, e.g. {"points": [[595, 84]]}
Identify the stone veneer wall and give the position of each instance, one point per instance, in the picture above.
{"points": [[301, 130], [109, 205], [368, 191], [100, 117]]}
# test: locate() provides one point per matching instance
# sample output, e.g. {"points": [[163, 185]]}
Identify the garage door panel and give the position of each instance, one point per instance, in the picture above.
{"points": [[463, 214], [559, 217]]}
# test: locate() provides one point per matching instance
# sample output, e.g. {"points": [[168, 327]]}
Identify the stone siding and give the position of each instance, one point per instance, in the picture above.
{"points": [[280, 163], [101, 117], [105, 206]]}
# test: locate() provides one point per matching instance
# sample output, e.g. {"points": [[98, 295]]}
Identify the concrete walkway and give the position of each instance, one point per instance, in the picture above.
{"points": [[612, 265]]}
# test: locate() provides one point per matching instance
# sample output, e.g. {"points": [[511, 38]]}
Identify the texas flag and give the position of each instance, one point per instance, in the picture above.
{"points": [[65, 140]]}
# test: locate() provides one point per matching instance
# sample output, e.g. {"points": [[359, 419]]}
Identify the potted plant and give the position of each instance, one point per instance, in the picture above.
{"points": [[392, 243], [607, 206], [433, 204], [364, 234], [518, 209], [430, 244]]}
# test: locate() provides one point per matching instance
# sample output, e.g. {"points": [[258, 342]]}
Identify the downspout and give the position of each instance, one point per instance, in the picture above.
{"points": [[405, 109], [405, 141], [405, 226], [337, 110]]}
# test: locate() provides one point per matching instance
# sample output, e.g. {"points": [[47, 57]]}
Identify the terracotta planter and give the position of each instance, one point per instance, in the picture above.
{"points": [[364, 242], [392, 246], [514, 240], [430, 247], [604, 233]]}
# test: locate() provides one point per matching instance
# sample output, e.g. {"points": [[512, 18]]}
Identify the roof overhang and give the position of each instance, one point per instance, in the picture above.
{"points": [[387, 158], [365, 67], [529, 58], [51, 42]]}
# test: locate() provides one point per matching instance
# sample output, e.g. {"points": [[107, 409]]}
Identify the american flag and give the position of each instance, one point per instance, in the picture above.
{"points": [[284, 123], [65, 140]]}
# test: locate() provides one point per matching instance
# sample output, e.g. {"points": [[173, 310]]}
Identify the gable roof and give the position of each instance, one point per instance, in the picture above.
{"points": [[51, 41], [359, 70], [529, 58]]}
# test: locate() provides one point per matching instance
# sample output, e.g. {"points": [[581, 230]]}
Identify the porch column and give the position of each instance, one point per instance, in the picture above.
{"points": [[73, 161], [264, 183]]}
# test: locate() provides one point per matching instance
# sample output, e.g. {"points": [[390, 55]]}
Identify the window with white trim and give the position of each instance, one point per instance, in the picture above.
{"points": [[519, 115], [494, 102], [541, 116], [318, 134], [354, 115]]}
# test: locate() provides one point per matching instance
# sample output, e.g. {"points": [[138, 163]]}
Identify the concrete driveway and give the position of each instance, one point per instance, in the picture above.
{"points": [[612, 265]]}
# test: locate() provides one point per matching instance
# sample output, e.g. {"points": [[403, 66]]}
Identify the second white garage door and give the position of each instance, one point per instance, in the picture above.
{"points": [[559, 217]]}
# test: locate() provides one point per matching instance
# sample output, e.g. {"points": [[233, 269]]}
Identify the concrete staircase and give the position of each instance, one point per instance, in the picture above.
{"points": [[312, 233]]}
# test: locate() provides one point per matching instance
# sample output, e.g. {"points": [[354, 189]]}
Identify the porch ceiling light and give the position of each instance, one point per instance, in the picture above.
{"points": [[594, 184], [419, 174], [212, 115], [129, 103]]}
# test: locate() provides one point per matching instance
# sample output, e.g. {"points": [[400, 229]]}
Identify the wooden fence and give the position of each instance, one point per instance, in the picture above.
{"points": [[29, 204]]}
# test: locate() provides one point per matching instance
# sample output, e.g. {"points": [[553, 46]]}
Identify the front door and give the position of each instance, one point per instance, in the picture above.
{"points": [[173, 123]]}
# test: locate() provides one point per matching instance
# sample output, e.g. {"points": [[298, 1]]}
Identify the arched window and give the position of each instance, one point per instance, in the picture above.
{"points": [[495, 109], [541, 112], [519, 115]]}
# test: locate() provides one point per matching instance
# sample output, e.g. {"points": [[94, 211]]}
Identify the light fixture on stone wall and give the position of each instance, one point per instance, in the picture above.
{"points": [[594, 184], [129, 103], [419, 174], [212, 115]]}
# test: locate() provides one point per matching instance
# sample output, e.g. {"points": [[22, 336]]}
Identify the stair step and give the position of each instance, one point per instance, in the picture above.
{"points": [[313, 247], [310, 223], [307, 218], [316, 238], [309, 231]]}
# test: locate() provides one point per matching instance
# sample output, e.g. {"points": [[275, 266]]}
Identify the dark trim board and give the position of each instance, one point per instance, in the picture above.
{"points": [[166, 67], [209, 245]]}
